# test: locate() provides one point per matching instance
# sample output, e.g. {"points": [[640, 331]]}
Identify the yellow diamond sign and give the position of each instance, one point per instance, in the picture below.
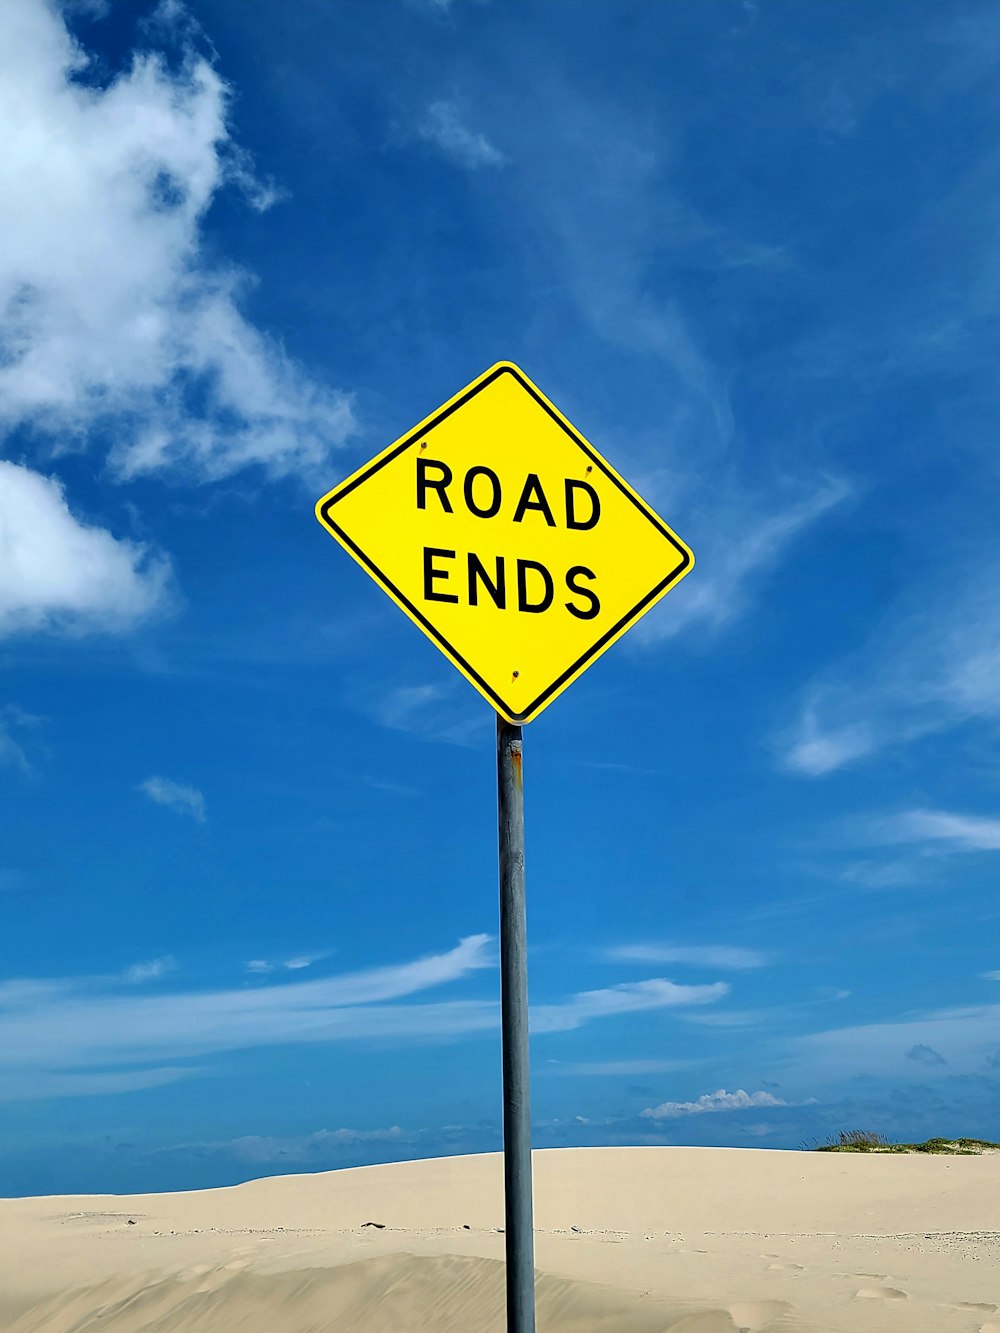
{"points": [[508, 539]]}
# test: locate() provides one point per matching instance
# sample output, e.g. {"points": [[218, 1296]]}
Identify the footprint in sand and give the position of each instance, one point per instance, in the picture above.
{"points": [[881, 1294], [705, 1321], [981, 1307], [785, 1268], [743, 1317], [752, 1316]]}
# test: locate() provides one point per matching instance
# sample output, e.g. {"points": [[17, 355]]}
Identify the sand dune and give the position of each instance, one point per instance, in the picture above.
{"points": [[644, 1240]]}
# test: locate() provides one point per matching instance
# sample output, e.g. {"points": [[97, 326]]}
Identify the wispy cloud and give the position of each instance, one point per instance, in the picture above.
{"points": [[719, 956], [629, 997], [710, 1102], [262, 966], [72, 1023], [930, 668], [614, 1068], [430, 712], [37, 1085], [175, 796], [604, 213], [153, 970], [963, 1037], [18, 731], [735, 549], [302, 960], [301, 1148], [444, 127], [739, 1018], [814, 752], [952, 831], [68, 1024]]}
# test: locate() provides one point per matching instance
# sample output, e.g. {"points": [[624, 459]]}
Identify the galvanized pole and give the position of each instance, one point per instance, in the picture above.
{"points": [[519, 1235]]}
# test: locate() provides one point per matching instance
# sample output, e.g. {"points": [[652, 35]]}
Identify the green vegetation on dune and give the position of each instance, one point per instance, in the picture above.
{"points": [[861, 1140]]}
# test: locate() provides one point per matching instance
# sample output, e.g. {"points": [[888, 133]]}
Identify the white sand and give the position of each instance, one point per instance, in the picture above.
{"points": [[629, 1240]]}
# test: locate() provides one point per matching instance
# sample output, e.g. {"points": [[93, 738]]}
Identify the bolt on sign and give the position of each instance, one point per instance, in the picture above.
{"points": [[508, 539]]}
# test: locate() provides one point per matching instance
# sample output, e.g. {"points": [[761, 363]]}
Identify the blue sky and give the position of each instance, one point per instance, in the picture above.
{"points": [[247, 872]]}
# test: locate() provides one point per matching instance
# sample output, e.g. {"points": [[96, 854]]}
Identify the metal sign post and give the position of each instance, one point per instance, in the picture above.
{"points": [[518, 1235], [520, 551]]}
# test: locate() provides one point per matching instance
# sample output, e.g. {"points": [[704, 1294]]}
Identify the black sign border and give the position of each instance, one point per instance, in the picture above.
{"points": [[411, 439]]}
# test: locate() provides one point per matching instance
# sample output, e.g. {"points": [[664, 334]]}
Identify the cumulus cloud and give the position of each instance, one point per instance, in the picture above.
{"points": [[444, 127], [58, 573], [112, 315], [175, 796], [925, 1055], [712, 1101]]}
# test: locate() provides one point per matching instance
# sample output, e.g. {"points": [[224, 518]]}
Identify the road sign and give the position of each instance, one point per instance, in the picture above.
{"points": [[508, 539]]}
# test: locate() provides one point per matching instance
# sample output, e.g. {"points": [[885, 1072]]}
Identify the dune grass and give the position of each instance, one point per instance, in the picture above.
{"points": [[862, 1140]]}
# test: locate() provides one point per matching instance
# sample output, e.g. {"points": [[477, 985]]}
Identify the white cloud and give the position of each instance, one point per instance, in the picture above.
{"points": [[71, 1024], [303, 1148], [16, 734], [151, 971], [175, 796], [712, 1101], [21, 1086], [738, 1018], [432, 712], [601, 212], [991, 976], [966, 1036], [111, 312], [815, 752], [302, 961], [443, 126], [737, 545], [933, 665], [59, 574], [629, 997], [957, 832], [401, 706], [262, 966], [708, 955], [615, 1068]]}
